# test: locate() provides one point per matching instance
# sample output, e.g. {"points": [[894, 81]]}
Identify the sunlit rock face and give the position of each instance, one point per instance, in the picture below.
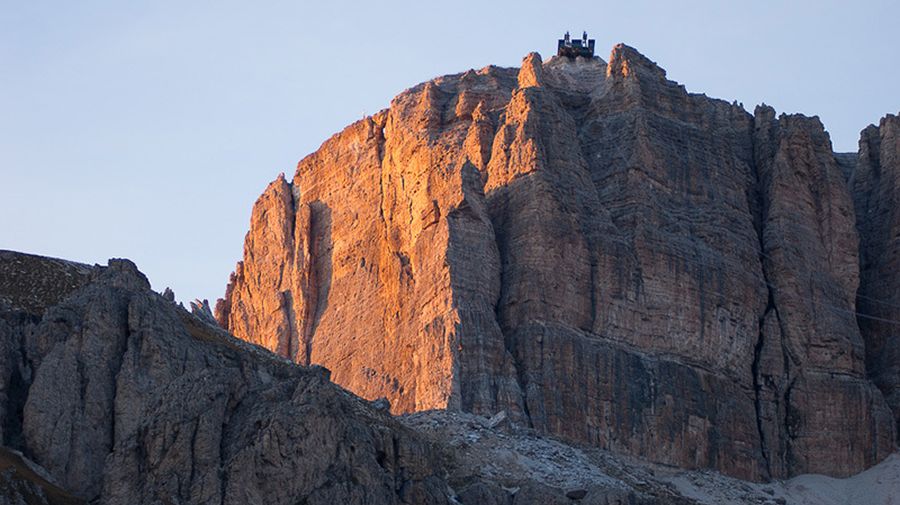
{"points": [[583, 244]]}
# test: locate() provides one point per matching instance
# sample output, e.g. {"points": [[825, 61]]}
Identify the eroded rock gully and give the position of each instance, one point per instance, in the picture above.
{"points": [[603, 255]]}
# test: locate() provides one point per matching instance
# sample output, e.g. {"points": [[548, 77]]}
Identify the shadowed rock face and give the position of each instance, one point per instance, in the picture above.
{"points": [[589, 247], [815, 402], [876, 187], [124, 398]]}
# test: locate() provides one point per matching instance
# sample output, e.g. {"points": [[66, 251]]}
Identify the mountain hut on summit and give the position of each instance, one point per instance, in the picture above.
{"points": [[574, 48]]}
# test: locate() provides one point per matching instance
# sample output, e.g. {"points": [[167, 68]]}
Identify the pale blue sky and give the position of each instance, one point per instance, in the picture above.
{"points": [[147, 129]]}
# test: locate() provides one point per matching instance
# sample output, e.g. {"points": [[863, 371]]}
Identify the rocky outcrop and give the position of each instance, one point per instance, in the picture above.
{"points": [[124, 397], [589, 247], [810, 367], [199, 308], [876, 186]]}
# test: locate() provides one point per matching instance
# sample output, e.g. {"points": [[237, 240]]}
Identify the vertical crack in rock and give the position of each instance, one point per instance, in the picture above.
{"points": [[757, 387], [759, 212], [320, 271], [294, 334]]}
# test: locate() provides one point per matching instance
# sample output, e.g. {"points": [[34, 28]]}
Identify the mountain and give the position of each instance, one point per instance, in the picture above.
{"points": [[601, 255]]}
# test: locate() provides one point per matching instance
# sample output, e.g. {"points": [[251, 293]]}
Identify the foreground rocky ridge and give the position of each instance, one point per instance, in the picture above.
{"points": [[600, 254], [123, 397]]}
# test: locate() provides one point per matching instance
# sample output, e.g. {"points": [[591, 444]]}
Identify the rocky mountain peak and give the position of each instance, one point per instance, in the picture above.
{"points": [[626, 61], [601, 254], [123, 273], [531, 73]]}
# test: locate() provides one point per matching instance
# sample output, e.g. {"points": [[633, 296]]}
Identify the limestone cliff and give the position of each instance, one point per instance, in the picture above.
{"points": [[593, 249], [876, 186]]}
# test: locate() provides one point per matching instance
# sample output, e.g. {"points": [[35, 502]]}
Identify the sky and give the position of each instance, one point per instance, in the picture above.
{"points": [[147, 130]]}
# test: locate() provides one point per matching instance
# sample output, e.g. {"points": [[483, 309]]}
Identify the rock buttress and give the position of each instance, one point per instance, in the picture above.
{"points": [[876, 188], [398, 257], [819, 412], [630, 271]]}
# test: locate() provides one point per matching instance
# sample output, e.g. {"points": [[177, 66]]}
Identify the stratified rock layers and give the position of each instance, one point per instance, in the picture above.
{"points": [[589, 247], [876, 188], [817, 380]]}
